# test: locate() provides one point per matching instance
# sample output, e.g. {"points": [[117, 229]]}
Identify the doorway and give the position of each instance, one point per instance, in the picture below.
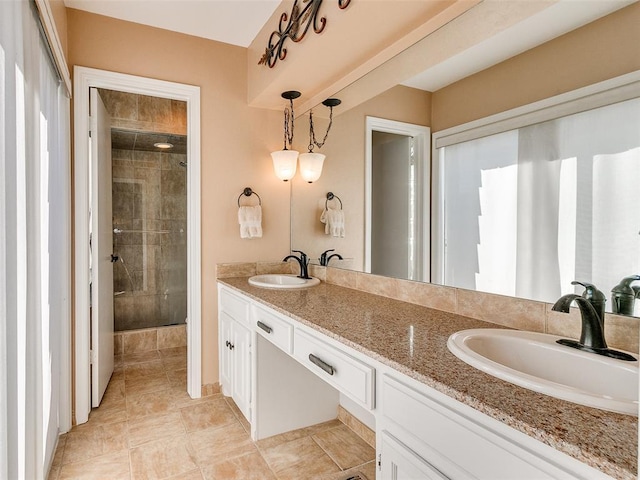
{"points": [[84, 80], [397, 199]]}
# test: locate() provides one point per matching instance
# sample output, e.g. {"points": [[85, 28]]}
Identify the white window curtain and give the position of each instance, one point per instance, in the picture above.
{"points": [[34, 245], [529, 210]]}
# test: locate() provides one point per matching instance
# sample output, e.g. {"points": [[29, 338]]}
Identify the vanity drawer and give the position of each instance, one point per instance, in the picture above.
{"points": [[272, 327], [348, 374], [234, 306]]}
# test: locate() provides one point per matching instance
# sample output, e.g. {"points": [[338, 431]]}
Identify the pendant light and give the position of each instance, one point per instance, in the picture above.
{"points": [[285, 160], [311, 163]]}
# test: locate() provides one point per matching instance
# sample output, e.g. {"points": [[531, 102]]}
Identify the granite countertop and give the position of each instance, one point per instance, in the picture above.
{"points": [[379, 327]]}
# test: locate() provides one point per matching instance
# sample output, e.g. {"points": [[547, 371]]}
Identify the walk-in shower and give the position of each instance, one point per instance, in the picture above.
{"points": [[149, 229]]}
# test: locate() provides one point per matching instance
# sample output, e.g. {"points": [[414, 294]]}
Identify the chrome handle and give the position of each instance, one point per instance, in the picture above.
{"points": [[265, 327], [322, 364]]}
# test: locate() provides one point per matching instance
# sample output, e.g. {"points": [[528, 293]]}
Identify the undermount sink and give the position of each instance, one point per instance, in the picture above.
{"points": [[535, 361], [282, 281]]}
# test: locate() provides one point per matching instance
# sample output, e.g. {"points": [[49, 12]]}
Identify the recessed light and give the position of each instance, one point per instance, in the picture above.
{"points": [[163, 145]]}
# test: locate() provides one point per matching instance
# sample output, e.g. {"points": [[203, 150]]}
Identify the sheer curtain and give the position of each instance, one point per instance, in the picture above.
{"points": [[529, 210], [34, 244]]}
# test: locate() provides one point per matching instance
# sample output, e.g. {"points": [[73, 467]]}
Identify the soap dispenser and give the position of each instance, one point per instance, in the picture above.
{"points": [[595, 297], [623, 296]]}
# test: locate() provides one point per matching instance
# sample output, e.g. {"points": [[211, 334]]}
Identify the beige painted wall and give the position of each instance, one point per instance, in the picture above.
{"points": [[236, 140], [343, 172], [603, 49]]}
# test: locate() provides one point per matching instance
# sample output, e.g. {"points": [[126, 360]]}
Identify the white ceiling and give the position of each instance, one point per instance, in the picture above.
{"points": [[236, 22]]}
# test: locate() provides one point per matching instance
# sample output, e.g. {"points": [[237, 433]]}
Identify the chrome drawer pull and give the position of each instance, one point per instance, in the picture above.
{"points": [[265, 327], [323, 365]]}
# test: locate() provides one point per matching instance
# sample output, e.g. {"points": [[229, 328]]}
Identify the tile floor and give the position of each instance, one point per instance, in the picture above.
{"points": [[147, 427]]}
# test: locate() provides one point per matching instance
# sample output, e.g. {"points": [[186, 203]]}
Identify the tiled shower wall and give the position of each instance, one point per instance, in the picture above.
{"points": [[150, 205], [149, 198]]}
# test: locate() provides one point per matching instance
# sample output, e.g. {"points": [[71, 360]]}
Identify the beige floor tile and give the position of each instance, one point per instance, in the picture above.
{"points": [[151, 383], [91, 441], [299, 459], [151, 428], [296, 434], [131, 358], [54, 472], [112, 466], [345, 447], [155, 403], [192, 475], [161, 459], [177, 378], [144, 369], [174, 363], [182, 398], [239, 415], [105, 415], [247, 467], [368, 470], [213, 413], [221, 443]]}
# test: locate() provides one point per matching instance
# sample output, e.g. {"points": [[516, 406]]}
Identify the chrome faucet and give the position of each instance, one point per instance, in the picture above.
{"points": [[303, 261], [324, 259], [591, 305]]}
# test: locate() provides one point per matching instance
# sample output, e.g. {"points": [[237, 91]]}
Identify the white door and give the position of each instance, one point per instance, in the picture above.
{"points": [[101, 250]]}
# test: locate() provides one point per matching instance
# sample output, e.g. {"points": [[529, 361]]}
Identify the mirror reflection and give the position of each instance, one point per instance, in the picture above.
{"points": [[529, 207]]}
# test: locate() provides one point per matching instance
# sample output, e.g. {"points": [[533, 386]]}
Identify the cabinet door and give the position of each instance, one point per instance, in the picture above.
{"points": [[226, 354], [241, 353], [400, 463]]}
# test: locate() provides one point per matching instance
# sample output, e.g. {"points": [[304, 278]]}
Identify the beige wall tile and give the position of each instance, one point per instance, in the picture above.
{"points": [[344, 278], [376, 284], [117, 344], [318, 272], [141, 357], [210, 389], [359, 428], [174, 336], [428, 295], [140, 341], [276, 267], [225, 270], [508, 311]]}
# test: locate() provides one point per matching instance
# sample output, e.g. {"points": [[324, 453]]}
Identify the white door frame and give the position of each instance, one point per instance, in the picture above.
{"points": [[422, 136], [85, 78]]}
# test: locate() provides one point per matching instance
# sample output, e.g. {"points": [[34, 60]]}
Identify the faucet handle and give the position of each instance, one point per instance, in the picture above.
{"points": [[303, 256], [591, 292]]}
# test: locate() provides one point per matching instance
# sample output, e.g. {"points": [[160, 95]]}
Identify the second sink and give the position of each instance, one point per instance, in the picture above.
{"points": [[535, 361]]}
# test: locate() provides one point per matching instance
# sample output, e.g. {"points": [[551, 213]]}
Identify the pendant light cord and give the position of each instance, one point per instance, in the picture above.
{"points": [[312, 134]]}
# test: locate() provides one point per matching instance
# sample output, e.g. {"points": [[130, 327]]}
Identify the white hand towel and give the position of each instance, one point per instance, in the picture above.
{"points": [[250, 220], [334, 222]]}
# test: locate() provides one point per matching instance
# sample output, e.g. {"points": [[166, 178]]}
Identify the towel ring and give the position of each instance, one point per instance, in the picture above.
{"points": [[247, 192], [331, 196]]}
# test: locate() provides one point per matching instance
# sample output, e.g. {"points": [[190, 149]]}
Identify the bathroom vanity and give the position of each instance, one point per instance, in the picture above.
{"points": [[287, 357]]}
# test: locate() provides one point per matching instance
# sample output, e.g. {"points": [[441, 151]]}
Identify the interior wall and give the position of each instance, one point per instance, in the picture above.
{"points": [[603, 49], [236, 140], [344, 170]]}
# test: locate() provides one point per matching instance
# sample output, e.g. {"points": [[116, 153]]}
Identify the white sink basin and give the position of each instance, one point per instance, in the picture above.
{"points": [[282, 281], [535, 361]]}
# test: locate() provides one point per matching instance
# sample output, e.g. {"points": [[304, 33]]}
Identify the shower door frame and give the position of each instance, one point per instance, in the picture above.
{"points": [[85, 78]]}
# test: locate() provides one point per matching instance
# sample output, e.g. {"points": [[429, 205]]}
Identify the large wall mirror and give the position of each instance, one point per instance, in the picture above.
{"points": [[518, 203]]}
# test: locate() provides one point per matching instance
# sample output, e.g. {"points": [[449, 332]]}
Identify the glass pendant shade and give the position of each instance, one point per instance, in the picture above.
{"points": [[311, 166], [284, 164]]}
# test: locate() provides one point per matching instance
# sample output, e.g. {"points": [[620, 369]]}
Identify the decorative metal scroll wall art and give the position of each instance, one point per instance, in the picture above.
{"points": [[299, 22]]}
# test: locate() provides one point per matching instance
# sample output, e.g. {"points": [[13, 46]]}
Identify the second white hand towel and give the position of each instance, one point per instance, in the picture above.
{"points": [[250, 220]]}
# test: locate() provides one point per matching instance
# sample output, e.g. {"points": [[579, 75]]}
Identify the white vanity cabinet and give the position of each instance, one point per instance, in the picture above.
{"points": [[425, 434], [234, 338]]}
